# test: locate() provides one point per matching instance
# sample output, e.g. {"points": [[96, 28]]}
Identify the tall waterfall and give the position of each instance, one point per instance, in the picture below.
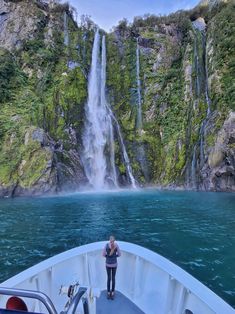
{"points": [[193, 168], [201, 92], [107, 120], [197, 67], [124, 152], [140, 151], [139, 104], [98, 138], [205, 89], [94, 137], [66, 32]]}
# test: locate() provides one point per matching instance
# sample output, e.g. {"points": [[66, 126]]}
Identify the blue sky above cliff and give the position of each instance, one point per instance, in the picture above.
{"points": [[107, 13]]}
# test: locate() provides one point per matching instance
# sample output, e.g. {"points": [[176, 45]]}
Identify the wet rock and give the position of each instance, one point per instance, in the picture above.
{"points": [[13, 27], [219, 173], [200, 24], [70, 173], [36, 134], [147, 42], [46, 167], [216, 156]]}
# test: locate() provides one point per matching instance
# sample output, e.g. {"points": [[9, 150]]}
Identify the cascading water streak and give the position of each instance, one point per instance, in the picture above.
{"points": [[206, 97], [201, 92], [98, 138], [193, 168], [66, 32], [208, 101], [124, 152], [108, 120], [139, 104], [94, 139], [197, 69]]}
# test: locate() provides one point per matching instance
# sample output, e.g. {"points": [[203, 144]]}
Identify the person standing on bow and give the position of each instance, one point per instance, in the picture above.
{"points": [[111, 251]]}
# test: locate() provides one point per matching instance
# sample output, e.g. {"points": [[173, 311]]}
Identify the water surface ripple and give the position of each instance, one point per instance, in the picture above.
{"points": [[195, 230]]}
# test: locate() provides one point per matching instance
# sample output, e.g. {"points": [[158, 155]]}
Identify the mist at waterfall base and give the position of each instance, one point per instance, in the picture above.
{"points": [[195, 230]]}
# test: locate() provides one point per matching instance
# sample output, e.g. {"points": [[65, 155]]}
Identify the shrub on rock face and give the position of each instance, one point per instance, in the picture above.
{"points": [[8, 73]]}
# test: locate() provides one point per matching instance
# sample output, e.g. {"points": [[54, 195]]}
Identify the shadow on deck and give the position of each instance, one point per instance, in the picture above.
{"points": [[120, 305]]}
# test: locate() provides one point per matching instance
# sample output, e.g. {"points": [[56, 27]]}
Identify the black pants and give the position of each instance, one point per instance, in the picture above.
{"points": [[111, 272]]}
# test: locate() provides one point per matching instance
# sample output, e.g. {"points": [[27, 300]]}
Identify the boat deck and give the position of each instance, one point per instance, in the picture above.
{"points": [[120, 304]]}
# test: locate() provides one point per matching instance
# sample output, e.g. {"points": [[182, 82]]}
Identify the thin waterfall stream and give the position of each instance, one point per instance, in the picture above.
{"points": [[139, 103], [201, 71], [66, 32], [108, 120], [124, 152], [207, 100]]}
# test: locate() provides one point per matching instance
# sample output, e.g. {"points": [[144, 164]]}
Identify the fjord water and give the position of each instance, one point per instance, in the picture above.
{"points": [[195, 230]]}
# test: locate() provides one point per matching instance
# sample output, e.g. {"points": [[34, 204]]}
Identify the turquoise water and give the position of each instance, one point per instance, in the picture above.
{"points": [[194, 230]]}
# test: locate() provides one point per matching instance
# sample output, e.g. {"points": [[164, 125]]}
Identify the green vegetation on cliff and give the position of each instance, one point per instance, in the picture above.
{"points": [[43, 90]]}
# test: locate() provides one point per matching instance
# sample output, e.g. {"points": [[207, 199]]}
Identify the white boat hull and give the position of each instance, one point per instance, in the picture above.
{"points": [[149, 280]]}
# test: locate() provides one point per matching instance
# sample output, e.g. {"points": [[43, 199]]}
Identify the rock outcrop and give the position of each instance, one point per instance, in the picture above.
{"points": [[219, 173], [43, 166], [19, 21]]}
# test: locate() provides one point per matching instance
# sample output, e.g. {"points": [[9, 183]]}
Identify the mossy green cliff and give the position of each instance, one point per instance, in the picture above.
{"points": [[44, 65]]}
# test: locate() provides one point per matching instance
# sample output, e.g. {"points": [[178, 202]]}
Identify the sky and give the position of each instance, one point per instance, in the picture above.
{"points": [[107, 13]]}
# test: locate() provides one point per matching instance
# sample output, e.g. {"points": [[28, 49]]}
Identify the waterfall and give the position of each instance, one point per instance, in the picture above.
{"points": [[139, 104], [66, 33], [94, 137], [108, 121], [113, 174], [201, 91], [98, 156], [201, 141], [140, 151], [124, 152], [193, 168], [197, 69], [200, 62], [84, 38], [207, 99]]}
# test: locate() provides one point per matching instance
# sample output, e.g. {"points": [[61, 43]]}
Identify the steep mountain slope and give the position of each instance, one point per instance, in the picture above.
{"points": [[187, 68], [179, 70], [42, 98]]}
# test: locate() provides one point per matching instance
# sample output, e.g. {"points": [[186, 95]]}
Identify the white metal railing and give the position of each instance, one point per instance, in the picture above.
{"points": [[42, 297]]}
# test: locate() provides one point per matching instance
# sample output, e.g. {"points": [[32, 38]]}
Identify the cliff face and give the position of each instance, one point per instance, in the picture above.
{"points": [[42, 99], [178, 69], [187, 97], [19, 22]]}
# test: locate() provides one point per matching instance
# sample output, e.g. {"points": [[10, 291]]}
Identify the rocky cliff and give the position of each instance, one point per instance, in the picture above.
{"points": [[185, 88]]}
